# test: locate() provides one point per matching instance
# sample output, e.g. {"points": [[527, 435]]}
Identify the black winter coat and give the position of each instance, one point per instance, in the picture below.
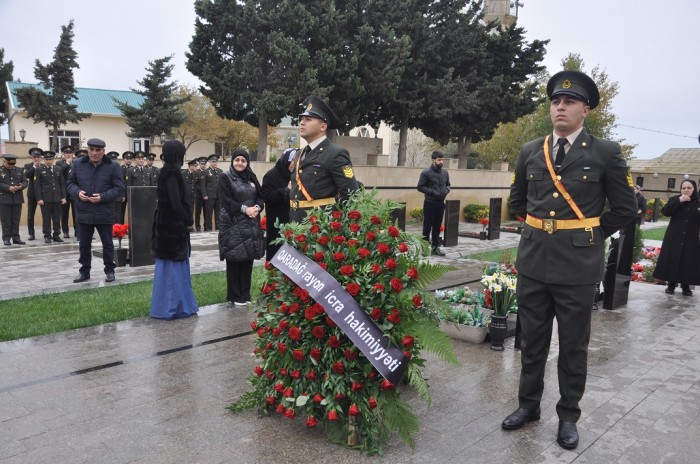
{"points": [[680, 250], [170, 237], [434, 183], [240, 237], [275, 192], [105, 179]]}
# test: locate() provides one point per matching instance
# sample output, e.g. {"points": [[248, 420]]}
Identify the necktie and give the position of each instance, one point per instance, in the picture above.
{"points": [[561, 152]]}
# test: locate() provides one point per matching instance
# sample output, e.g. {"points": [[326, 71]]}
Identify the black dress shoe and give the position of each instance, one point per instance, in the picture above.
{"points": [[520, 417], [17, 241], [66, 235], [567, 437], [31, 237], [438, 252], [57, 238], [687, 291], [670, 290], [81, 278], [47, 239], [6, 242], [110, 277]]}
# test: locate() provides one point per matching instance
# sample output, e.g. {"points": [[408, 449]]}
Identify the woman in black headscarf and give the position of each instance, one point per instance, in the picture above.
{"points": [[172, 297], [240, 236], [680, 250], [275, 192]]}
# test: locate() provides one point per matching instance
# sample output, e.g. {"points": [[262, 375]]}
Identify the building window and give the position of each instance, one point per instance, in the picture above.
{"points": [[71, 138], [640, 181], [671, 183], [220, 150], [143, 145]]}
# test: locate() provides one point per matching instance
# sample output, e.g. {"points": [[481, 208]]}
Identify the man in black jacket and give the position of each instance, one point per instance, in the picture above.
{"points": [[29, 171], [434, 183], [50, 193]]}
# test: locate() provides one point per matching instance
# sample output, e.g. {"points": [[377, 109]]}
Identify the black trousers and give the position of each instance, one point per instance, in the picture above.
{"points": [[66, 211], [238, 279], [9, 217], [538, 304], [85, 232], [51, 212], [211, 208], [198, 210], [433, 211], [31, 212]]}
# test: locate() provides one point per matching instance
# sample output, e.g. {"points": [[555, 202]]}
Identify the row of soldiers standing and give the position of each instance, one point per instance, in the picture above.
{"points": [[202, 186]]}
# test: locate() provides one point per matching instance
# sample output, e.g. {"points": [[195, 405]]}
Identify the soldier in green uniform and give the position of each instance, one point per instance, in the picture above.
{"points": [[12, 182], [323, 173], [561, 184], [150, 159], [191, 177], [29, 169], [128, 157], [210, 191], [68, 207], [199, 193], [50, 192], [139, 175]]}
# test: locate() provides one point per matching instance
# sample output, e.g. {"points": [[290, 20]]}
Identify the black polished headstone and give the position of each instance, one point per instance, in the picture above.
{"points": [[618, 272], [398, 216], [142, 205], [655, 211], [451, 222], [494, 227]]}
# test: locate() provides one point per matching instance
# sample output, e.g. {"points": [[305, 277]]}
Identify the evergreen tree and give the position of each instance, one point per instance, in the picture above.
{"points": [[52, 104], [5, 76], [160, 111]]}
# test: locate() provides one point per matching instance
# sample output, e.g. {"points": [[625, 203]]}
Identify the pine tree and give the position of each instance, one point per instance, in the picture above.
{"points": [[160, 111], [53, 103], [5, 76]]}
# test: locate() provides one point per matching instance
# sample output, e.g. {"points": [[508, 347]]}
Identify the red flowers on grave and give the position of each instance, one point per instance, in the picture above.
{"points": [[327, 378], [119, 231]]}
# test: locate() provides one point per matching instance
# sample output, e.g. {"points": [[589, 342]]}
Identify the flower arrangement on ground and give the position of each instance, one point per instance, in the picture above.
{"points": [[309, 367], [643, 271], [120, 231], [484, 223], [500, 290]]}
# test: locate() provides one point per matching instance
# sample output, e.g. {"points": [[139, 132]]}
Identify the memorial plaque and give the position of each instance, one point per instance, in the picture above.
{"points": [[142, 205], [398, 217], [618, 272], [451, 222], [494, 227]]}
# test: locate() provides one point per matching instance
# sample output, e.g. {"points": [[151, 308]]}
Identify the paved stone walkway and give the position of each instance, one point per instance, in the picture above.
{"points": [[151, 391]]}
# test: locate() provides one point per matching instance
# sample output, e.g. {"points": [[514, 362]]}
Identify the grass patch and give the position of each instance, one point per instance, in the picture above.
{"points": [[654, 234], [496, 256], [58, 312]]}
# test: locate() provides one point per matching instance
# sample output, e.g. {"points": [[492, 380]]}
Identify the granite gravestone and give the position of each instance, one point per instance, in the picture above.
{"points": [[451, 222], [618, 272], [494, 227], [142, 206], [398, 216]]}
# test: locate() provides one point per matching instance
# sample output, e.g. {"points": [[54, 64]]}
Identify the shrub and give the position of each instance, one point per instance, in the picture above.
{"points": [[649, 213], [474, 212], [416, 214]]}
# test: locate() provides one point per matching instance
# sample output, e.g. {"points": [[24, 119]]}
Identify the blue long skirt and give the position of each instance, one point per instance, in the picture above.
{"points": [[172, 297]]}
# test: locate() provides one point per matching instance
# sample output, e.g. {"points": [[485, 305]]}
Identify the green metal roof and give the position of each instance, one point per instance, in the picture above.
{"points": [[95, 101]]}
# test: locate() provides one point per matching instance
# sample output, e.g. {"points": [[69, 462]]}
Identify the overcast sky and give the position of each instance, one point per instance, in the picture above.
{"points": [[649, 48]]}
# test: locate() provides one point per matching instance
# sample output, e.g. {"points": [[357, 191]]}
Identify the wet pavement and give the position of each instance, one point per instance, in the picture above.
{"points": [[152, 391]]}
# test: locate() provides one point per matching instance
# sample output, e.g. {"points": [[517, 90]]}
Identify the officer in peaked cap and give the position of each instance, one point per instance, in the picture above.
{"points": [[120, 205], [65, 164], [113, 155], [81, 152], [50, 192], [569, 212], [139, 175], [323, 173], [12, 182], [199, 206], [150, 158], [191, 176], [67, 149], [210, 193], [128, 155], [37, 155]]}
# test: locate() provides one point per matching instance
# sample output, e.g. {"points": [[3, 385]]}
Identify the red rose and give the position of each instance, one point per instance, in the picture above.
{"points": [[338, 256], [290, 414], [347, 270], [393, 231], [394, 317], [283, 308], [417, 301], [271, 400], [386, 385], [318, 309], [372, 402], [403, 248], [375, 220], [356, 386], [330, 322], [354, 410], [279, 387], [354, 227], [323, 240], [337, 214], [340, 396], [354, 215], [318, 398], [352, 243], [376, 314], [407, 341], [288, 392], [333, 342], [288, 233], [296, 374], [378, 288], [370, 236], [295, 333], [281, 347], [267, 289], [396, 284], [311, 375], [350, 354], [284, 324], [413, 273], [383, 248], [280, 409], [313, 219], [338, 239], [276, 332], [298, 355], [318, 256], [314, 229], [294, 308], [407, 354], [309, 313], [261, 332], [332, 415], [259, 371], [353, 289], [268, 266], [311, 421], [390, 264], [283, 371], [316, 353], [376, 268], [363, 253], [270, 375], [335, 225], [323, 266], [301, 238], [318, 332], [338, 367]]}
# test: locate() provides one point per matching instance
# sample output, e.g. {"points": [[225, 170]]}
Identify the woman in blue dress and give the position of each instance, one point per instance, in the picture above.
{"points": [[172, 297]]}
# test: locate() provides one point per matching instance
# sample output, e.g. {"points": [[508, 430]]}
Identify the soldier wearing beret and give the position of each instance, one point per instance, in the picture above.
{"points": [[199, 193], [191, 176], [211, 197], [68, 207], [12, 182], [29, 169], [323, 173], [561, 184], [50, 192]]}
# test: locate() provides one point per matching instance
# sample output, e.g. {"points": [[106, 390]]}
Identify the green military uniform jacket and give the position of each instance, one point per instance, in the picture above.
{"points": [[49, 184], [139, 177], [191, 179], [593, 171], [10, 178], [211, 182], [155, 172]]}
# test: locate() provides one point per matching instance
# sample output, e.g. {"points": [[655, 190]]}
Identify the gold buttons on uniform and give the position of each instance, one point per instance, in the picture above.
{"points": [[555, 195], [558, 177], [552, 213], [585, 177], [531, 176]]}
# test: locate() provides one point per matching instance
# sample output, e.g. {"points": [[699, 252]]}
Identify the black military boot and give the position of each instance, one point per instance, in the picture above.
{"points": [[671, 288], [686, 290], [57, 238]]}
